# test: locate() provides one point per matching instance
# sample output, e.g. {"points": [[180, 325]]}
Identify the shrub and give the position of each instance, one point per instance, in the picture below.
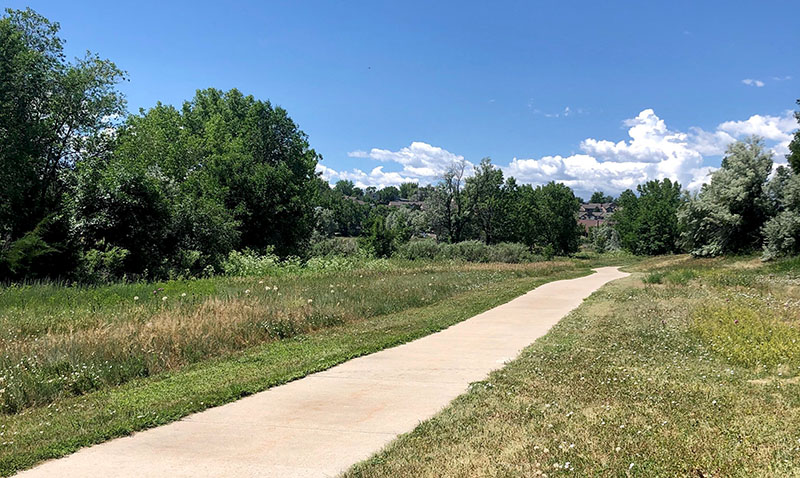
{"points": [[423, 249], [782, 235], [249, 263], [468, 251], [336, 246], [103, 264], [510, 252]]}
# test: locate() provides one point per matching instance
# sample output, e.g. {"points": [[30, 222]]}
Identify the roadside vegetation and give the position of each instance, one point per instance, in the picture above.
{"points": [[687, 368]]}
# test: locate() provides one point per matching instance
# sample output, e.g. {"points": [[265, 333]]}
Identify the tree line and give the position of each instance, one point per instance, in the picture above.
{"points": [[747, 206], [91, 193]]}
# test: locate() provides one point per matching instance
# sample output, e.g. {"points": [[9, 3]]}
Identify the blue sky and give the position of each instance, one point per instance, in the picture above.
{"points": [[546, 89]]}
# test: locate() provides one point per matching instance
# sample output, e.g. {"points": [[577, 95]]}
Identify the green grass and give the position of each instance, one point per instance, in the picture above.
{"points": [[647, 379], [378, 310]]}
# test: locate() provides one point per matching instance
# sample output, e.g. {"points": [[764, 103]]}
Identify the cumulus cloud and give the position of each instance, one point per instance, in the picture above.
{"points": [[420, 161], [752, 82], [652, 151]]}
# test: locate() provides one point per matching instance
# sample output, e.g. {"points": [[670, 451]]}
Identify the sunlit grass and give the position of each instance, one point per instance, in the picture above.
{"points": [[58, 342], [649, 379], [377, 313]]}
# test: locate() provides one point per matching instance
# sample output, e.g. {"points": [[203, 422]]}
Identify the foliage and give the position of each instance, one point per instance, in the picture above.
{"points": [[466, 251], [336, 246], [380, 240], [486, 201], [728, 214], [250, 264], [648, 224], [794, 147], [599, 197], [54, 114], [604, 238]]}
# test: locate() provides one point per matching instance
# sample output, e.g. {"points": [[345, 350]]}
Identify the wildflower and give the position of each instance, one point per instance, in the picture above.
{"points": [[630, 466], [183, 294], [261, 282], [267, 287], [310, 300], [136, 297], [247, 291], [164, 298]]}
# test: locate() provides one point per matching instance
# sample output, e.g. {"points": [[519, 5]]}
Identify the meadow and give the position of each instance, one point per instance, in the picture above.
{"points": [[689, 367], [81, 365]]}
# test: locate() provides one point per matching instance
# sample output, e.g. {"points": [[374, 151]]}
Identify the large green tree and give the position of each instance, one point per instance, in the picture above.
{"points": [[545, 218], [794, 146], [54, 113], [232, 152], [446, 206], [486, 200], [728, 213], [648, 224]]}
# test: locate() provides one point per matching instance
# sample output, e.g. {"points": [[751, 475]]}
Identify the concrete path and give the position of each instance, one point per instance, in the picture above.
{"points": [[322, 424]]}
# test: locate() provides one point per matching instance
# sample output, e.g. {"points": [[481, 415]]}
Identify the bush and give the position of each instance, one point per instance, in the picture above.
{"points": [[510, 252], [782, 235], [423, 249], [249, 263], [336, 246], [103, 264], [468, 251]]}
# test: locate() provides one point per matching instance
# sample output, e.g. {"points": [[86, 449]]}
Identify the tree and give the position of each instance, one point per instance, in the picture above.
{"points": [[381, 239], [728, 213], [782, 232], [345, 187], [599, 197], [794, 147], [486, 201], [545, 218], [559, 213], [648, 224], [54, 113], [387, 194], [408, 189], [243, 154], [445, 205]]}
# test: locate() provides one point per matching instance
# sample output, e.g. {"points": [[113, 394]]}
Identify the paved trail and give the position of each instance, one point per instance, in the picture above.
{"points": [[322, 424]]}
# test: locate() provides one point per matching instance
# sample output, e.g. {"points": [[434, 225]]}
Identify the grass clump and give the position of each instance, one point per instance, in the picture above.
{"points": [[749, 336]]}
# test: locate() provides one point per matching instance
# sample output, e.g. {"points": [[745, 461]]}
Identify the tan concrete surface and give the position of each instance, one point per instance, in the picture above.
{"points": [[320, 425]]}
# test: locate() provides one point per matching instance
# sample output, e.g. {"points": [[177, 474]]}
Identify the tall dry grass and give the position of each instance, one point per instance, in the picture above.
{"points": [[89, 342]]}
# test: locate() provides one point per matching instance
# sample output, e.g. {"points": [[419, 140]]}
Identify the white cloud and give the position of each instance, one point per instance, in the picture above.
{"points": [[419, 160], [752, 82], [777, 129], [376, 177], [652, 151]]}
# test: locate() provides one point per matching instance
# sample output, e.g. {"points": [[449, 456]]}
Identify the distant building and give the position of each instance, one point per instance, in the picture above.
{"points": [[593, 214]]}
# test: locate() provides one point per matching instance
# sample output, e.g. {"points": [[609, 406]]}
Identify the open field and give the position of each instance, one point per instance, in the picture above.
{"points": [[687, 368], [81, 366]]}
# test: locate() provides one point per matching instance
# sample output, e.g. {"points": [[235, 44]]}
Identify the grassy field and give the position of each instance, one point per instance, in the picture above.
{"points": [[83, 365], [687, 368]]}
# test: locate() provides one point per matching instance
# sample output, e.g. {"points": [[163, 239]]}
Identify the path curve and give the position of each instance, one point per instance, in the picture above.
{"points": [[324, 423]]}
